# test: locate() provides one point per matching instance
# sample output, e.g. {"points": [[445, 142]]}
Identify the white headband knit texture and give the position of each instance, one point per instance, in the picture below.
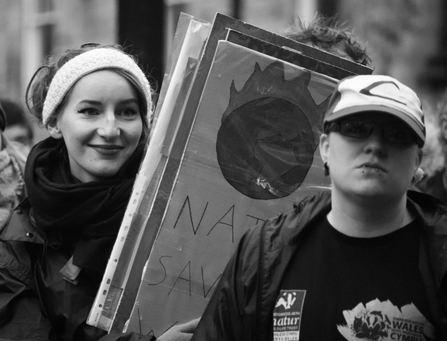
{"points": [[88, 62]]}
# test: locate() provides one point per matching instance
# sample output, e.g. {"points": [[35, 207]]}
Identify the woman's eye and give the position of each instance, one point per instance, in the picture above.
{"points": [[401, 134], [88, 111], [129, 113], [356, 127]]}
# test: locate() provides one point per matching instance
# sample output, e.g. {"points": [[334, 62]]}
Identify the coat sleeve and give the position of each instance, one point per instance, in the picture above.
{"points": [[231, 310], [21, 317]]}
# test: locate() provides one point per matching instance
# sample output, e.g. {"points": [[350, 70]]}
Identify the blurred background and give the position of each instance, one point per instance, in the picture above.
{"points": [[405, 38]]}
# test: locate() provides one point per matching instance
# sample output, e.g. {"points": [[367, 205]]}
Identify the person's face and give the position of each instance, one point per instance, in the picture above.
{"points": [[101, 125], [19, 135], [370, 167]]}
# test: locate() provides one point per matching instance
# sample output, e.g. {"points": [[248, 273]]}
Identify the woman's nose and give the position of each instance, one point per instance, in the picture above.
{"points": [[375, 141], [109, 127]]}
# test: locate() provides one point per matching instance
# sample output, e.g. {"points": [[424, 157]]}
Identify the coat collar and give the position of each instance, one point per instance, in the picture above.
{"points": [[432, 217]]}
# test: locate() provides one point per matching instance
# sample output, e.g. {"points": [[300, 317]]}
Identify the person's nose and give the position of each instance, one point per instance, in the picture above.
{"points": [[109, 128], [375, 142]]}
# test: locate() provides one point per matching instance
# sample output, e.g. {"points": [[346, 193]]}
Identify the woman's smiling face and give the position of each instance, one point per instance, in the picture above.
{"points": [[101, 125]]}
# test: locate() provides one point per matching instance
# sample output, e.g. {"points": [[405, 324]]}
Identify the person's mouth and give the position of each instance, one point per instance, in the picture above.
{"points": [[373, 166], [106, 149]]}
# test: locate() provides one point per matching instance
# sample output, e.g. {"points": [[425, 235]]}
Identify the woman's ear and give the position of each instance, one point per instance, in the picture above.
{"points": [[54, 131], [324, 147], [419, 156]]}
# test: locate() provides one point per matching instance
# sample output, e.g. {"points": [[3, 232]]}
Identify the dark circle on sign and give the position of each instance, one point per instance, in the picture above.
{"points": [[265, 148]]}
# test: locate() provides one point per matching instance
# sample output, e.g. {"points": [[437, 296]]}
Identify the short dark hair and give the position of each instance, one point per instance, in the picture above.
{"points": [[330, 35]]}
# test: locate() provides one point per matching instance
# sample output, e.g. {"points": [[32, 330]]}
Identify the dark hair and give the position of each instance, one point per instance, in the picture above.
{"points": [[37, 88], [328, 34], [15, 115]]}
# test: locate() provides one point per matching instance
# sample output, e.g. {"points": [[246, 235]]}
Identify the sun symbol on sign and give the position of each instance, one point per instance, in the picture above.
{"points": [[268, 136]]}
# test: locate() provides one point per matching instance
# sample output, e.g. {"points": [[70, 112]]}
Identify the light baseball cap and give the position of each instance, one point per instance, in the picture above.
{"points": [[362, 93]]}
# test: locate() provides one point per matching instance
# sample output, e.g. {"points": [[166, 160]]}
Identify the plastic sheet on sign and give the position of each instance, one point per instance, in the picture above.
{"points": [[116, 291]]}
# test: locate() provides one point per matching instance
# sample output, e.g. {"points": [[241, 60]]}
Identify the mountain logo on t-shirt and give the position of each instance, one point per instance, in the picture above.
{"points": [[383, 321]]}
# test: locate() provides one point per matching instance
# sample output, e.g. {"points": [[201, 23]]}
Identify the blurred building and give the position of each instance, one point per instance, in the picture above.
{"points": [[33, 29], [406, 38]]}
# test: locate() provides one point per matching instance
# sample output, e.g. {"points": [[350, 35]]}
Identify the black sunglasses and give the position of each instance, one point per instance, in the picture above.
{"points": [[394, 133]]}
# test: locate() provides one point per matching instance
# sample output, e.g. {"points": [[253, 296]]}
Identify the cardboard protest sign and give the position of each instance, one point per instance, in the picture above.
{"points": [[239, 146], [288, 55], [252, 152]]}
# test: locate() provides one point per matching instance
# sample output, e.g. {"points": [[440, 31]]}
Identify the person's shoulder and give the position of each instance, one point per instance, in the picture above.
{"points": [[14, 253], [20, 227], [287, 225], [431, 211], [305, 210], [426, 201]]}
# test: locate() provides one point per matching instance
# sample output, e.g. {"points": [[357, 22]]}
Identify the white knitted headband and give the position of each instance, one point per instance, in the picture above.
{"points": [[88, 62]]}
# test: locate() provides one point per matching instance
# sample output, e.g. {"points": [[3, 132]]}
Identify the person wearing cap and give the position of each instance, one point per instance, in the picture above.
{"points": [[96, 104], [365, 260]]}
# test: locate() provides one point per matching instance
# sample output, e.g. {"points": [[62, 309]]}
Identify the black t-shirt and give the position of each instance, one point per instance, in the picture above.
{"points": [[347, 288]]}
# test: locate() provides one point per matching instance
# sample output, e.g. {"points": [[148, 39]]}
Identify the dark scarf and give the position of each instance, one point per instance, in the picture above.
{"points": [[84, 218]]}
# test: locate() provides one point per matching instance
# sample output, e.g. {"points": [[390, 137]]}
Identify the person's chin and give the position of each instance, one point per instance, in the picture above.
{"points": [[107, 170], [375, 194]]}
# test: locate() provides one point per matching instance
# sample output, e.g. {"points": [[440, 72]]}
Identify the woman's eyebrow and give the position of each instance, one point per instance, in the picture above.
{"points": [[96, 102]]}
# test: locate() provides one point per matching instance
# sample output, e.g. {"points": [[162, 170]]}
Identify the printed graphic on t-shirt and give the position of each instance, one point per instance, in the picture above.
{"points": [[382, 321], [287, 315]]}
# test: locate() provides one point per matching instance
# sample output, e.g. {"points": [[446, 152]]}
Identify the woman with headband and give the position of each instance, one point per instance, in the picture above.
{"points": [[96, 104]]}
